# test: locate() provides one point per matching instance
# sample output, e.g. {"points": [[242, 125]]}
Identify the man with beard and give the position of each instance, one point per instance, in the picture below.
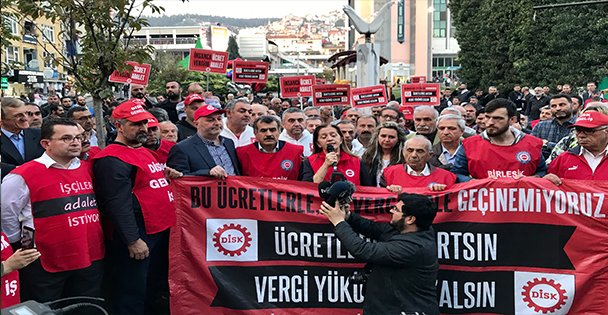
{"points": [[206, 153], [158, 147], [83, 117], [174, 96], [81, 101], [347, 128], [501, 151], [139, 91], [293, 130], [404, 257], [236, 127], [67, 103], [553, 130], [133, 195], [52, 99], [366, 125], [270, 157]]}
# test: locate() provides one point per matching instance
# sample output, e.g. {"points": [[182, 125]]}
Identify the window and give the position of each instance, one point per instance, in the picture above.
{"points": [[440, 18], [12, 54], [12, 24], [48, 33]]}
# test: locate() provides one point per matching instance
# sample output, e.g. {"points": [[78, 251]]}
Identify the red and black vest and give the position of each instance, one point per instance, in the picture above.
{"points": [[68, 228], [284, 164], [10, 282], [486, 159], [162, 153], [151, 188], [397, 175], [348, 165]]}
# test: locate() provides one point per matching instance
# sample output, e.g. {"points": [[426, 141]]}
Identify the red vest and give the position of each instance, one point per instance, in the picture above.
{"points": [[10, 282], [162, 153], [284, 164], [68, 230], [486, 159], [151, 188], [396, 175], [348, 165], [574, 166]]}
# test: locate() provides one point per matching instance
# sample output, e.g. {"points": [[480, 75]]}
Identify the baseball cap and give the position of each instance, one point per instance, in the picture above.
{"points": [[206, 110], [193, 98], [591, 119], [407, 111], [131, 110], [153, 122]]}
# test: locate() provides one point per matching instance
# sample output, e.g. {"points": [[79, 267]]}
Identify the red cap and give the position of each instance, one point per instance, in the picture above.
{"points": [[152, 122], [591, 119], [206, 110], [131, 110], [193, 98], [407, 111]]}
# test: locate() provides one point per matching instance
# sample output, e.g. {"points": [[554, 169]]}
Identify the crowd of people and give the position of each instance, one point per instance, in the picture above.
{"points": [[106, 213]]}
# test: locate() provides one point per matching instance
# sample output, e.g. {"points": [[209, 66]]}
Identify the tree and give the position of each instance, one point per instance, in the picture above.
{"points": [[102, 29], [233, 48], [503, 44]]}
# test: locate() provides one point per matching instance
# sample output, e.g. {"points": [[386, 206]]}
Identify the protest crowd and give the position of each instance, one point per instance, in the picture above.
{"points": [[102, 216]]}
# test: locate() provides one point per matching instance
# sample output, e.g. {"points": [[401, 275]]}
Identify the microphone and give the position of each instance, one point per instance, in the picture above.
{"points": [[330, 149]]}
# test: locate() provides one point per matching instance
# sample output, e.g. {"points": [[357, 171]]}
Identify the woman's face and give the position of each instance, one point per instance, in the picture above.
{"points": [[387, 138], [329, 135]]}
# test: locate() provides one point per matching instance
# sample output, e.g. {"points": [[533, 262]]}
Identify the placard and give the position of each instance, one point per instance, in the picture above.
{"points": [[297, 86], [331, 94], [420, 94], [418, 79], [204, 60], [249, 71], [138, 75], [369, 96]]}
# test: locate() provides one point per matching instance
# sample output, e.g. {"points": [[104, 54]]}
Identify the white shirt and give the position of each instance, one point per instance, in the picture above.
{"points": [[425, 172], [358, 148], [16, 205], [593, 160], [380, 173], [93, 140], [305, 141], [246, 138]]}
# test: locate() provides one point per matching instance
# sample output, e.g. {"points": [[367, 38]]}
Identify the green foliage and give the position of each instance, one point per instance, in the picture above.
{"points": [[503, 44], [233, 48]]}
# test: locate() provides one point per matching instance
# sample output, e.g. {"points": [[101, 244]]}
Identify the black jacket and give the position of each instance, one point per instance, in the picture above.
{"points": [[404, 268], [184, 130], [33, 148], [534, 105], [192, 157]]}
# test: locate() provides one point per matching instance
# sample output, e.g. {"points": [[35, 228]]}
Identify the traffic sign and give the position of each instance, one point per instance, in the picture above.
{"points": [[4, 84]]}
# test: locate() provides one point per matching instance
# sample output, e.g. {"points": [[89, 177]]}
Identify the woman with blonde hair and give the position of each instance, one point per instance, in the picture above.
{"points": [[385, 150]]}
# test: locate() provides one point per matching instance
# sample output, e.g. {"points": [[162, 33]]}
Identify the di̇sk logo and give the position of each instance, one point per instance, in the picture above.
{"points": [[287, 165], [349, 173], [543, 293], [523, 157], [232, 240]]}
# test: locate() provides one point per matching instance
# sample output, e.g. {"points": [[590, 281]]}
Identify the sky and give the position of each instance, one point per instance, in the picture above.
{"points": [[249, 8]]}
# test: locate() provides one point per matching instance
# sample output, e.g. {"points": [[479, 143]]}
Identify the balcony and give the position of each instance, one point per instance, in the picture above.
{"points": [[29, 38]]}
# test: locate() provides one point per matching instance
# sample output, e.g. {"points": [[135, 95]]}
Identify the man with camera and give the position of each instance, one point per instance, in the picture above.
{"points": [[404, 258]]}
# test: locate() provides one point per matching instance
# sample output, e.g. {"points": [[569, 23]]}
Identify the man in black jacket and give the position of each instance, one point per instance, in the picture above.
{"points": [[404, 258]]}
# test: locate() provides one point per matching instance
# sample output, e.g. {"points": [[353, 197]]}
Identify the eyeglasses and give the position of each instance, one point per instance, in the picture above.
{"points": [[395, 209], [587, 131], [70, 139]]}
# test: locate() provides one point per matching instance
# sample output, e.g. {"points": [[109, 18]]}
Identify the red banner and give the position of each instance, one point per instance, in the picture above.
{"points": [[138, 75], [297, 86], [249, 71], [320, 81], [242, 246], [369, 96], [205, 60], [331, 94], [418, 79], [420, 94]]}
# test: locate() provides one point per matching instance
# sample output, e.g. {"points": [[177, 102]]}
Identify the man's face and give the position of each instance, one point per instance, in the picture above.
{"points": [[240, 115], [327, 112], [348, 133], [366, 127], [376, 110], [561, 108], [66, 102], [473, 100], [387, 115], [311, 113], [168, 131], [285, 105], [538, 91], [138, 91], [462, 87], [312, 124], [134, 132], [15, 119], [275, 104], [53, 99], [594, 140], [81, 101], [387, 138], [153, 136], [172, 89], [498, 122], [352, 115], [566, 89], [575, 105], [481, 121], [591, 86], [85, 119], [60, 111], [397, 215], [470, 112], [65, 144], [267, 134], [34, 116], [455, 101], [546, 90], [258, 111], [447, 93], [449, 132], [424, 122], [517, 88], [523, 121], [190, 109], [211, 126], [492, 90], [160, 99], [416, 154], [546, 114], [294, 124]]}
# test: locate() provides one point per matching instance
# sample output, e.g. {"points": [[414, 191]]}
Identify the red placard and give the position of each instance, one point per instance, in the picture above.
{"points": [[331, 94], [138, 75], [249, 71], [297, 86], [369, 96], [205, 60], [420, 94], [320, 81], [418, 79]]}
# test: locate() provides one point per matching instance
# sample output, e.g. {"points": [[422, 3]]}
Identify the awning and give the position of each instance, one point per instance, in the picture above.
{"points": [[26, 76]]}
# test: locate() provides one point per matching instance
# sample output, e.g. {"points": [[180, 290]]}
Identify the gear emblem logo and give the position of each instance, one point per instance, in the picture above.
{"points": [[542, 295], [232, 239]]}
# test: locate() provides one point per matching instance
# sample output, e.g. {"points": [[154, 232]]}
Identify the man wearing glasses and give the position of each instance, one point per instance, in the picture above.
{"points": [[34, 115], [588, 160], [20, 143], [83, 117], [403, 260], [53, 195]]}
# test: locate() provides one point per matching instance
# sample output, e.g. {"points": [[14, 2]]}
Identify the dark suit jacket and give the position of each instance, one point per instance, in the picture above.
{"points": [[33, 148], [192, 157]]}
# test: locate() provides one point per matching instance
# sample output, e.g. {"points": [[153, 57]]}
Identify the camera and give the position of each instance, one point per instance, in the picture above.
{"points": [[358, 277], [342, 191]]}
